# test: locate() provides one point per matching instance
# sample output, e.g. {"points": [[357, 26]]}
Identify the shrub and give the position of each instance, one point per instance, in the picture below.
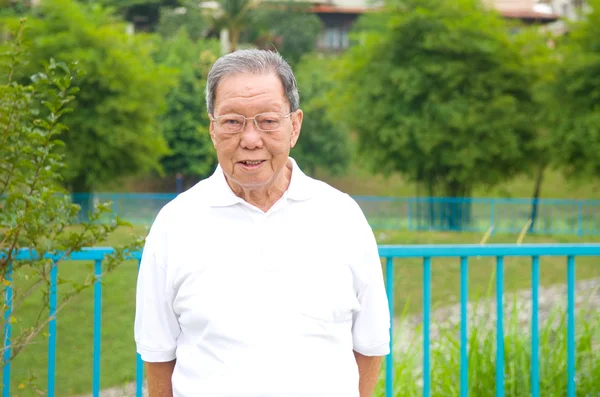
{"points": [[35, 212]]}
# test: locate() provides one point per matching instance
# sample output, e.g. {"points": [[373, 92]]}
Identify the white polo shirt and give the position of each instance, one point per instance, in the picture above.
{"points": [[255, 304]]}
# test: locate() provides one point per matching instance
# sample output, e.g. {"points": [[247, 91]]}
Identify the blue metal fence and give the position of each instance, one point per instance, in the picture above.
{"points": [[388, 253], [504, 215], [500, 252]]}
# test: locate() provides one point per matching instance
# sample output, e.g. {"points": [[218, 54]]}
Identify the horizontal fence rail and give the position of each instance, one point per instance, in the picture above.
{"points": [[504, 215], [388, 253]]}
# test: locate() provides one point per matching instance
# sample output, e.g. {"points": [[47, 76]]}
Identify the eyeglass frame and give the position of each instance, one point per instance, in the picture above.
{"points": [[215, 119]]}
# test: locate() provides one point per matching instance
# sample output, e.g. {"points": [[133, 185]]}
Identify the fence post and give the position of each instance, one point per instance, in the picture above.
{"points": [[410, 223], [426, 326], [571, 326], [7, 331], [580, 219], [97, 327], [492, 213], [499, 326], [179, 183], [535, 333], [464, 318], [389, 360], [115, 208], [139, 366], [52, 329]]}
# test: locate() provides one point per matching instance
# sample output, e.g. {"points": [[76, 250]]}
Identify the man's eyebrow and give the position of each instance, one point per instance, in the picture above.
{"points": [[268, 107]]}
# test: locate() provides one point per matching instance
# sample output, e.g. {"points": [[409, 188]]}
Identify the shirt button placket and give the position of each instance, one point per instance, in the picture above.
{"points": [[263, 231], [268, 243]]}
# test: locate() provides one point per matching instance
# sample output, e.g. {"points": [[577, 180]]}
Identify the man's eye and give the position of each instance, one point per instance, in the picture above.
{"points": [[268, 120], [231, 121]]}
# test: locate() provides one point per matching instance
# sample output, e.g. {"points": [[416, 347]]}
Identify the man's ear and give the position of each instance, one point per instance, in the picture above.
{"points": [[211, 130], [296, 126]]}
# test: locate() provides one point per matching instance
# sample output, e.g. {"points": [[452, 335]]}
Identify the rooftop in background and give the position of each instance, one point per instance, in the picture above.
{"points": [[538, 10], [526, 10], [338, 16]]}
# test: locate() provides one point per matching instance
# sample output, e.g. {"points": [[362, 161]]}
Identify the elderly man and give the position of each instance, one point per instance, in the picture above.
{"points": [[260, 281]]}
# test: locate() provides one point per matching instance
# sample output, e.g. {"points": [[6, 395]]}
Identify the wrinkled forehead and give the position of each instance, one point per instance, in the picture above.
{"points": [[248, 89]]}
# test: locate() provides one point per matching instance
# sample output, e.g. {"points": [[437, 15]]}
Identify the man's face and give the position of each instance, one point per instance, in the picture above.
{"points": [[252, 158]]}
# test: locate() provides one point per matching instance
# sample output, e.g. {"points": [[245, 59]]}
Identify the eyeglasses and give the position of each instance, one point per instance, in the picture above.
{"points": [[234, 123]]}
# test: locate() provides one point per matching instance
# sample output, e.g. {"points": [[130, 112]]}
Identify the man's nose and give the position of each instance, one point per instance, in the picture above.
{"points": [[251, 137]]}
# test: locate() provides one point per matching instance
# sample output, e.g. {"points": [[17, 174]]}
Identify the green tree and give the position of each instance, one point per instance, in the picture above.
{"points": [[324, 143], [115, 130], [578, 89], [186, 122], [143, 14], [192, 17], [35, 211], [441, 95], [287, 27], [234, 16], [14, 7]]}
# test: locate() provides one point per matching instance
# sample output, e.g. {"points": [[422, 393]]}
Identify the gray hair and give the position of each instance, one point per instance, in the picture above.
{"points": [[256, 62]]}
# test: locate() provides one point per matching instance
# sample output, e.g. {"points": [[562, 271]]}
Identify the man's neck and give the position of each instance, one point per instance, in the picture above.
{"points": [[265, 197]]}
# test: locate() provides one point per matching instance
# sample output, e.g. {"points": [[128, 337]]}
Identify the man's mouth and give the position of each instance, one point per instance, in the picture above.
{"points": [[252, 162]]}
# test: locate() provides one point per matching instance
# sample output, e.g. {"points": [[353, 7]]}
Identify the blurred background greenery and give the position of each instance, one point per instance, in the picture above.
{"points": [[402, 98]]}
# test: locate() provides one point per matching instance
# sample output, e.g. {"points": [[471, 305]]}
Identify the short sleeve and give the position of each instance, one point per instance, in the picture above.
{"points": [[371, 327], [156, 327]]}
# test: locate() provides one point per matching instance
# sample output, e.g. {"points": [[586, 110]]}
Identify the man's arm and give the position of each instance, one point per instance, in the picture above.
{"points": [[159, 379], [368, 372]]}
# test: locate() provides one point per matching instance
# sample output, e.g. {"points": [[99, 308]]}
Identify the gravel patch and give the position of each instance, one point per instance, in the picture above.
{"points": [[483, 312]]}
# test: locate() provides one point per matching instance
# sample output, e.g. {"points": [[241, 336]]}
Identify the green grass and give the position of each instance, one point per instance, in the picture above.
{"points": [[358, 181], [74, 358], [445, 358]]}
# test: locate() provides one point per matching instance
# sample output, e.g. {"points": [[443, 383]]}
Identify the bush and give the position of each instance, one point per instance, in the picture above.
{"points": [[35, 211]]}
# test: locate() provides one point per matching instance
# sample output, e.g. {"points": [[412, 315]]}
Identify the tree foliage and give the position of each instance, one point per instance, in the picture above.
{"points": [[14, 7], [287, 27], [191, 17], [35, 212], [186, 122], [115, 130], [540, 59], [324, 143], [144, 14], [578, 90], [235, 16], [439, 93]]}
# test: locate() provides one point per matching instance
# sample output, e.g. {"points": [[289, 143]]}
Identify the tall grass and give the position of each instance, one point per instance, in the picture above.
{"points": [[445, 357]]}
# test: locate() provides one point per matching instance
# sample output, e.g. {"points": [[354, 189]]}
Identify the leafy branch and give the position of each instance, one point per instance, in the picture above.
{"points": [[36, 211]]}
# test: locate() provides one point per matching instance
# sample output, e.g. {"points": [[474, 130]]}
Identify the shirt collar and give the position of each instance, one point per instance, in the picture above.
{"points": [[221, 194]]}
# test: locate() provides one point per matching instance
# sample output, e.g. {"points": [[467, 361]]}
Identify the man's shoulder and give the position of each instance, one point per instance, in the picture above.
{"points": [[332, 196], [192, 201], [322, 189], [338, 208]]}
